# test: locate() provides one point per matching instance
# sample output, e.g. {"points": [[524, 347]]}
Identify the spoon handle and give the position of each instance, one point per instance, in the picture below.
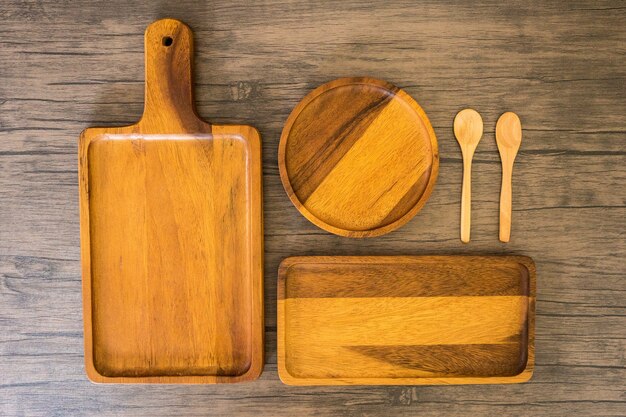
{"points": [[505, 203], [466, 201]]}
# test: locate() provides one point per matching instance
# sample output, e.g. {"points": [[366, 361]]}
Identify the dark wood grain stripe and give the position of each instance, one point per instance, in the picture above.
{"points": [[471, 360], [324, 143], [464, 278]]}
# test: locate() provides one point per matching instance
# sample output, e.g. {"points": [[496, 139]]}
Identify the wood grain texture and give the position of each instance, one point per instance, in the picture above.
{"points": [[406, 320], [468, 130], [171, 236], [559, 65], [358, 157], [509, 139]]}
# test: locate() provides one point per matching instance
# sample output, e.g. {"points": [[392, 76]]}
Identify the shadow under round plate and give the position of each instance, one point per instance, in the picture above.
{"points": [[358, 157]]}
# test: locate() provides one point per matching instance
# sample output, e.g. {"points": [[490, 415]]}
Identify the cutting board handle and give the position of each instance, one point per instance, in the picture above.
{"points": [[169, 87]]}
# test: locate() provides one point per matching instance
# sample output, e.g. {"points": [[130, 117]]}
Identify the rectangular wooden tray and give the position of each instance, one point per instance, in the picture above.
{"points": [[171, 236], [406, 320]]}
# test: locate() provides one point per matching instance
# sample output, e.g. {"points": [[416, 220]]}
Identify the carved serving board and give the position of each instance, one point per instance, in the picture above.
{"points": [[171, 236]]}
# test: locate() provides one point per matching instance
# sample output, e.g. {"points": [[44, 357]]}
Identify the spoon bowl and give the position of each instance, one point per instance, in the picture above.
{"points": [[468, 128], [509, 133]]}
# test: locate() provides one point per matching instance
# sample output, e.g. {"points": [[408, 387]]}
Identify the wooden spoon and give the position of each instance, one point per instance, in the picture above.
{"points": [[468, 129], [508, 138]]}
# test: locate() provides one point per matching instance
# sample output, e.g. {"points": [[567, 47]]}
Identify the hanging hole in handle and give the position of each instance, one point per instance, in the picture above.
{"points": [[167, 41]]}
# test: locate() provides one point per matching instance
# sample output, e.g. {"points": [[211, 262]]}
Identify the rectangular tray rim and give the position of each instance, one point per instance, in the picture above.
{"points": [[253, 140], [289, 379]]}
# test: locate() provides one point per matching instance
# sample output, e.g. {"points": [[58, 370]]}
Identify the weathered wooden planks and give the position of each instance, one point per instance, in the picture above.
{"points": [[560, 66]]}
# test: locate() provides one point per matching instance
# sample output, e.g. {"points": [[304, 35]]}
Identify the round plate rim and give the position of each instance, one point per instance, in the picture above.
{"points": [[284, 176]]}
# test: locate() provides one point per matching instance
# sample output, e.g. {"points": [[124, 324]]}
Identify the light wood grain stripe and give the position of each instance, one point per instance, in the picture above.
{"points": [[406, 337], [410, 199], [373, 159], [405, 321]]}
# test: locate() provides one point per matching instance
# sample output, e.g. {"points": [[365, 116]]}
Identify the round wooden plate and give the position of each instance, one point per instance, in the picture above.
{"points": [[358, 157]]}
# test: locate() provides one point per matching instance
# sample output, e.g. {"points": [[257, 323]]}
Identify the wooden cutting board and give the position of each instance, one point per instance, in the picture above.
{"points": [[406, 320], [358, 157], [171, 236]]}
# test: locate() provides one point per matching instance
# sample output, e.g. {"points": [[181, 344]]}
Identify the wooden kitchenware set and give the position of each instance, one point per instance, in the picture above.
{"points": [[172, 244], [468, 129]]}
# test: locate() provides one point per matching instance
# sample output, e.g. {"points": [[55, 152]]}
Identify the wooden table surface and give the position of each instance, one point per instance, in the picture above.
{"points": [[561, 66]]}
